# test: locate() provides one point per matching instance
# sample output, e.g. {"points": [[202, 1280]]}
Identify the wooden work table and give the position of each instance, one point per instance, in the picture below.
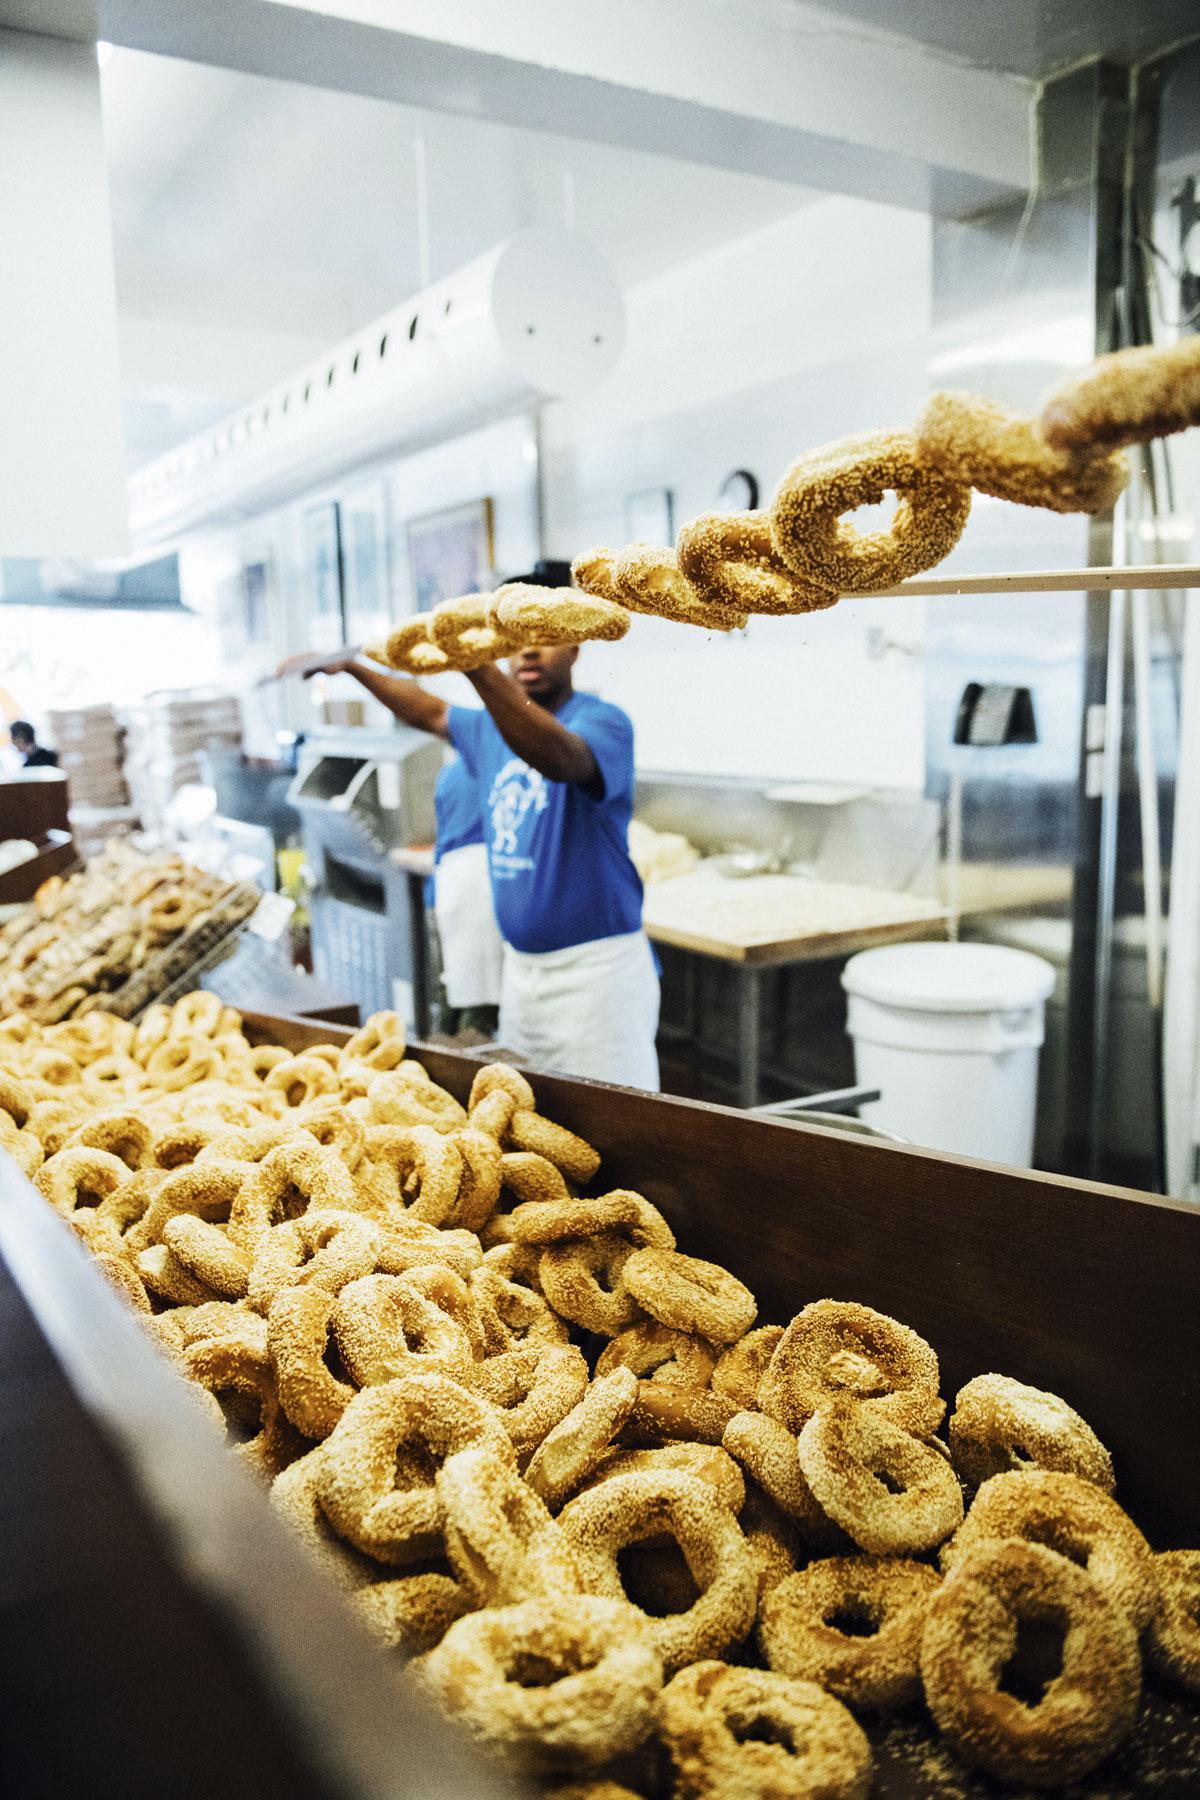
{"points": [[161, 1635], [770, 922], [759, 922]]}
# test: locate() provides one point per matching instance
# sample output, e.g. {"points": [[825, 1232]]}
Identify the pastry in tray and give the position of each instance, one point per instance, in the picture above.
{"points": [[635, 1540], [114, 935]]}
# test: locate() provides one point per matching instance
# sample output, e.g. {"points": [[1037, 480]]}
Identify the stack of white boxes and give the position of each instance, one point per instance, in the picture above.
{"points": [[90, 744], [167, 735]]}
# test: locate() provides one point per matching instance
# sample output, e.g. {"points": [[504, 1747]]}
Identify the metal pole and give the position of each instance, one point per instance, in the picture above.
{"points": [[748, 1035], [1110, 806], [1181, 1032], [954, 828]]}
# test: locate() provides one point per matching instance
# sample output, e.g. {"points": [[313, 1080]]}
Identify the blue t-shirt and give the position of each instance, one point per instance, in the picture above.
{"points": [[559, 858], [456, 808]]}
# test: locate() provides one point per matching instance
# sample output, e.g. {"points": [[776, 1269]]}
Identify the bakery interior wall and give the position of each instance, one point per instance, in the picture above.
{"points": [[784, 338], [739, 358], [804, 329], [807, 329], [820, 318]]}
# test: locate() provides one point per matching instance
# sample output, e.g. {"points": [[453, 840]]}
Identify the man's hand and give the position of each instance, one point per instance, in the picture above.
{"points": [[411, 704], [310, 663]]}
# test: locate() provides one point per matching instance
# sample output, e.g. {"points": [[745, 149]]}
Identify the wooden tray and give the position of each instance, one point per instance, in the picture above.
{"points": [[1091, 1291], [56, 855]]}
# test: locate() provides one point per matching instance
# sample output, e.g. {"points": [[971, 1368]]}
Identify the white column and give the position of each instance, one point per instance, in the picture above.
{"points": [[1181, 1024], [62, 454]]}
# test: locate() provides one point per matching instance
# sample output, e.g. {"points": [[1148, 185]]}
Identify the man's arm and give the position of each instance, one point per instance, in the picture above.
{"points": [[410, 703], [535, 734]]}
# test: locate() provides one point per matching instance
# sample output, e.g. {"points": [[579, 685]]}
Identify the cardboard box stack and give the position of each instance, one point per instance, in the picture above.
{"points": [[167, 736], [91, 747]]}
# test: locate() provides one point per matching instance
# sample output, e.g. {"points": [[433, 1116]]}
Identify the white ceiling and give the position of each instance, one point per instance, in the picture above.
{"points": [[255, 221], [1030, 38]]}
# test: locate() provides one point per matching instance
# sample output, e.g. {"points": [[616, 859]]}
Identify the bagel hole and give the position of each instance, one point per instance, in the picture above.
{"points": [[1035, 1662], [877, 515], [415, 1467], [852, 1619], [1019, 1454], [1059, 1542], [332, 1362], [887, 1480], [292, 1203], [854, 1370], [760, 1729], [531, 1671], [243, 1414], [657, 1578]]}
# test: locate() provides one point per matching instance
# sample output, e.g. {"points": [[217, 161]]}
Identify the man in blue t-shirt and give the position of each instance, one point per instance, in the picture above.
{"points": [[553, 772]]}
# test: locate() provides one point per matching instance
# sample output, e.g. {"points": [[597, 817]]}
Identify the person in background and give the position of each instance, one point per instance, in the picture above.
{"points": [[471, 945], [552, 770], [33, 754]]}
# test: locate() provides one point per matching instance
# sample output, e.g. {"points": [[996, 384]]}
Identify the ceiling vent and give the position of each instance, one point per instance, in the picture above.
{"points": [[540, 317]]}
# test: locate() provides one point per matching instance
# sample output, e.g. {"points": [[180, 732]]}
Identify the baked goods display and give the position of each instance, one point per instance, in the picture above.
{"points": [[803, 552], [634, 1541], [475, 629], [114, 935]]}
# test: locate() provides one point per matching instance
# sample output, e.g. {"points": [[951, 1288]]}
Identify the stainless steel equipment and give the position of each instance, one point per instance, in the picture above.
{"points": [[1020, 294], [361, 794], [252, 804]]}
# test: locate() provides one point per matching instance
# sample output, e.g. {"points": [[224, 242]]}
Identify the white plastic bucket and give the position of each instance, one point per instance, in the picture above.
{"points": [[950, 1034]]}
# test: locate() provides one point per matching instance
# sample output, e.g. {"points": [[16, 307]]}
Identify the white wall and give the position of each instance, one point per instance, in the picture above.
{"points": [[803, 331], [499, 460], [54, 656], [61, 450]]}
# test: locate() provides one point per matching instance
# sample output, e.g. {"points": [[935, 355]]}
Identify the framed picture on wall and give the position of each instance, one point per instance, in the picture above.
{"points": [[254, 603], [240, 613], [324, 575], [650, 516], [363, 521], [451, 552]]}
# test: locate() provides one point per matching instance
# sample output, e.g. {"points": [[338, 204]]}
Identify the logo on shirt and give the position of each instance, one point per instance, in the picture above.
{"points": [[516, 792]]}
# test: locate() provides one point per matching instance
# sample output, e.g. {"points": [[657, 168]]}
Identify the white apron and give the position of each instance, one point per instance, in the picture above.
{"points": [[590, 1010], [472, 947]]}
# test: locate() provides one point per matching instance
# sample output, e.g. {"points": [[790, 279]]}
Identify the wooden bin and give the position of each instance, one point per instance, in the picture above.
{"points": [[177, 1643], [1090, 1291], [56, 855]]}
